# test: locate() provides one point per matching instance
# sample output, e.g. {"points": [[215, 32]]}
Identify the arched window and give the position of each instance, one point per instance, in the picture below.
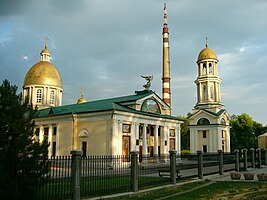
{"points": [[39, 96], [203, 121], [204, 92], [151, 106], [212, 91], [52, 97], [223, 122], [83, 133], [204, 69], [210, 69]]}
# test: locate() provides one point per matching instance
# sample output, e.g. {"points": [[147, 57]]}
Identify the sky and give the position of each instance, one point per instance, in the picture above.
{"points": [[106, 45]]}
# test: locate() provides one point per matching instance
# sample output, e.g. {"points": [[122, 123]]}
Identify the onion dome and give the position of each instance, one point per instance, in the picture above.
{"points": [[82, 99], [207, 53], [44, 72]]}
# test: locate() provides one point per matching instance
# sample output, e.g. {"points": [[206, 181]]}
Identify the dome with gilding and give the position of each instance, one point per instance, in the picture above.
{"points": [[45, 50], [43, 73], [82, 99], [207, 53]]}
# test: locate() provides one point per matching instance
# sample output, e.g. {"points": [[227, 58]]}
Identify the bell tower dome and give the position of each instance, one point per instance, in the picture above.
{"points": [[43, 83]]}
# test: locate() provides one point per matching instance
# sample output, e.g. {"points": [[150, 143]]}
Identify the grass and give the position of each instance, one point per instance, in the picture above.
{"points": [[216, 190], [96, 186]]}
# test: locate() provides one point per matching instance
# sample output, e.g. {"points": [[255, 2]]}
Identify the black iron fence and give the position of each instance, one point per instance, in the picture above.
{"points": [[101, 175]]}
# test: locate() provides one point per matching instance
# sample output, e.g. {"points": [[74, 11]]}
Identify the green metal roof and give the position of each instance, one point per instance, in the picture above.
{"points": [[102, 105], [210, 112]]}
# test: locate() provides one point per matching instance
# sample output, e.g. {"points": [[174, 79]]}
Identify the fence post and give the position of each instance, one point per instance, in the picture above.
{"points": [[134, 168], [200, 164], [173, 166], [76, 174], [220, 152], [265, 156], [245, 151], [252, 157], [236, 160], [259, 157]]}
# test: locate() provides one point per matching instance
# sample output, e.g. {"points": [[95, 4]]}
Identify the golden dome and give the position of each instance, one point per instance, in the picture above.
{"points": [[81, 100], [207, 53], [43, 73], [45, 50]]}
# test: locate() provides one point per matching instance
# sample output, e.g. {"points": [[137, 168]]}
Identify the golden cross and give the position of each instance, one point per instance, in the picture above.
{"points": [[206, 41], [82, 91], [46, 40]]}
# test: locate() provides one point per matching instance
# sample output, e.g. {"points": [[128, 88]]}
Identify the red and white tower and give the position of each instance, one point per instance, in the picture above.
{"points": [[166, 79]]}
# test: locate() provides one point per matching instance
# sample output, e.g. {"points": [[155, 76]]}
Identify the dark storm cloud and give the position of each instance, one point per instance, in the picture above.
{"points": [[106, 45]]}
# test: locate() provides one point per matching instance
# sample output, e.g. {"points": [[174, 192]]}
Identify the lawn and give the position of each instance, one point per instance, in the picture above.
{"points": [[209, 190]]}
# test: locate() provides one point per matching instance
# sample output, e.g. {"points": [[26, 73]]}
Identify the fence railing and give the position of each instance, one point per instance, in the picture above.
{"points": [[71, 177]]}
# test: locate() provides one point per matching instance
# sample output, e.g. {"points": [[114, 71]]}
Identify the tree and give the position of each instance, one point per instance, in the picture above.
{"points": [[23, 160], [185, 132], [244, 131]]}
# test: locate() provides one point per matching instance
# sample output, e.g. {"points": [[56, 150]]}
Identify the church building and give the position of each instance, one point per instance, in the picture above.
{"points": [[140, 122], [209, 122]]}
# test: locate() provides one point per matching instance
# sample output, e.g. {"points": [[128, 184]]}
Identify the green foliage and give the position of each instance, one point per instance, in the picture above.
{"points": [[185, 132], [23, 161], [244, 131]]}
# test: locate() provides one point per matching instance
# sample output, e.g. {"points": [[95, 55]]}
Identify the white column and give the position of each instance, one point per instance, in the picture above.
{"points": [[211, 148], [137, 135], [57, 141], [228, 141], [41, 134], [192, 141], [156, 140], [178, 140], [164, 140], [168, 139], [219, 138], [133, 137], [196, 141], [114, 140], [33, 99], [120, 137], [144, 145], [50, 140]]}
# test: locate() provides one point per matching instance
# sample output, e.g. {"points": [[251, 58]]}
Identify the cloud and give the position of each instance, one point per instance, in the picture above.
{"points": [[106, 46]]}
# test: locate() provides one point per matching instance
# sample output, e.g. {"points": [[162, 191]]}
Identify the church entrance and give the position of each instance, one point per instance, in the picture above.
{"points": [[126, 147], [172, 144]]}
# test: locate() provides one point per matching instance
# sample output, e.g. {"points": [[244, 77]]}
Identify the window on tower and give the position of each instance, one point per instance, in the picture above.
{"points": [[204, 69], [212, 92], [205, 92], [52, 97], [39, 96], [210, 69]]}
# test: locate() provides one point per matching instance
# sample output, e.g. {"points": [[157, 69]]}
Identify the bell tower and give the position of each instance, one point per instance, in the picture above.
{"points": [[208, 81], [209, 122]]}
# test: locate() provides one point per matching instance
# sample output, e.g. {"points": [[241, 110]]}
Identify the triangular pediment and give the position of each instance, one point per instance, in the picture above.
{"points": [[212, 117]]}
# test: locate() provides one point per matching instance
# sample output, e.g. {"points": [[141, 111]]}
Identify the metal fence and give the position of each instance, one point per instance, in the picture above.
{"points": [[101, 175]]}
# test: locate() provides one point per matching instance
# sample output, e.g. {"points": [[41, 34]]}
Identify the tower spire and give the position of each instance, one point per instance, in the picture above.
{"points": [[166, 91], [206, 42]]}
